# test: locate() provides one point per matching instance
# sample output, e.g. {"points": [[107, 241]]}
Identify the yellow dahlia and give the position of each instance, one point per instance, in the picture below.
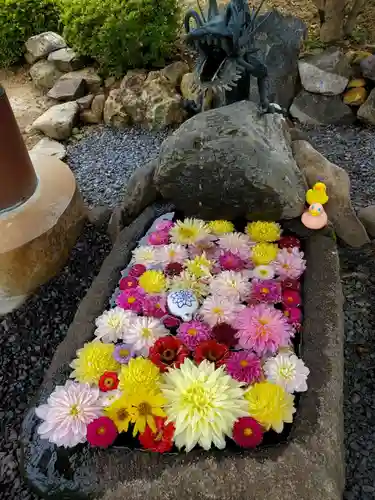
{"points": [[153, 282], [120, 412], [203, 403], [139, 374], [145, 406], [264, 253], [264, 231], [200, 266], [187, 281], [270, 405], [219, 227], [189, 231], [93, 359]]}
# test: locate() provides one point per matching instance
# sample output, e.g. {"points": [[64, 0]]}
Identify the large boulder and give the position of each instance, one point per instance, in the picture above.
{"points": [[279, 41], [366, 112], [367, 217], [232, 162], [339, 207], [40, 46], [44, 74], [48, 147], [57, 122], [317, 109], [68, 89], [90, 76], [367, 66], [66, 60]]}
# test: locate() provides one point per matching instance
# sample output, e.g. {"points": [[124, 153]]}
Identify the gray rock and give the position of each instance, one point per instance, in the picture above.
{"points": [[44, 74], [90, 76], [367, 217], [66, 60], [49, 147], [85, 101], [57, 122], [95, 114], [175, 71], [367, 66], [279, 40], [99, 216], [67, 89], [320, 81], [39, 46], [366, 112], [232, 162], [315, 109]]}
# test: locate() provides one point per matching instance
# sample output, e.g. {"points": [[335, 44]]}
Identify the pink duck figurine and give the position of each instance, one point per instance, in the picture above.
{"points": [[315, 217]]}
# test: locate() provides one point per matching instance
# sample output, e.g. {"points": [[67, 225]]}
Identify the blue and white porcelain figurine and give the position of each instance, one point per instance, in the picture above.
{"points": [[183, 304]]}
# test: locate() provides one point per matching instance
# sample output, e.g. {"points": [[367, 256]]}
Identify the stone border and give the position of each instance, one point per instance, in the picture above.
{"points": [[309, 467]]}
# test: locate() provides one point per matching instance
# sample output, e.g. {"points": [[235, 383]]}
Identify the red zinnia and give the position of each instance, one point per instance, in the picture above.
{"points": [[289, 242], [225, 334], [137, 270], [173, 269], [101, 432], [161, 440], [128, 282], [212, 351], [168, 352], [247, 432], [292, 284], [108, 381], [291, 298]]}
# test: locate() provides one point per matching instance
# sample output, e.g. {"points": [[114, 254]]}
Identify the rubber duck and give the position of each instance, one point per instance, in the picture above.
{"points": [[315, 217], [317, 194]]}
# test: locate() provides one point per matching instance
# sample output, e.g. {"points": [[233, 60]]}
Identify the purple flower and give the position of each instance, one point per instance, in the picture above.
{"points": [[244, 366], [123, 353], [192, 333]]}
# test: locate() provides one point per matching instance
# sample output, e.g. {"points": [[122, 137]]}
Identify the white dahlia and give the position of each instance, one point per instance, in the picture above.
{"points": [[111, 325], [143, 332], [288, 371]]}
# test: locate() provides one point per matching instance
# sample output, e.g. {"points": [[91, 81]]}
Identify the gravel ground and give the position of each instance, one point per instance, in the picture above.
{"points": [[102, 162]]}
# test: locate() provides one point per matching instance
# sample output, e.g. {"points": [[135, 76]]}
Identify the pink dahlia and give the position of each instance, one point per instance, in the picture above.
{"points": [[236, 243], [192, 333], [218, 309], [289, 265], [158, 238], [231, 262], [291, 298], [164, 225], [131, 299], [244, 366], [266, 291], [263, 329], [154, 305]]}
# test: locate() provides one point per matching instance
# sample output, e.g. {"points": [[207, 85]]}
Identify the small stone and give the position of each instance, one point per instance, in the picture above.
{"points": [[175, 71], [67, 89], [367, 66], [57, 122], [66, 60], [355, 96], [44, 74], [49, 147], [99, 216], [315, 109], [85, 101], [367, 217], [39, 46], [319, 81], [356, 82], [95, 114], [90, 76], [366, 112]]}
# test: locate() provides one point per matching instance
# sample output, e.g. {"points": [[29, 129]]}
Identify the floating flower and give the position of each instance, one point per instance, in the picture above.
{"points": [[143, 332], [153, 282], [93, 359], [158, 238], [203, 403], [123, 353], [206, 246], [145, 406], [220, 227], [263, 272], [264, 253], [212, 351], [128, 282], [291, 298], [231, 262], [168, 352], [270, 405], [174, 269], [293, 316], [107, 398], [237, 243], [155, 306], [288, 371], [67, 413], [225, 334], [244, 366], [263, 231], [112, 324], [120, 413], [266, 291], [193, 333], [172, 253], [139, 373], [217, 309], [171, 321], [161, 440], [247, 432], [262, 328], [289, 265], [231, 285], [291, 284], [137, 270], [131, 300], [108, 381], [189, 231], [101, 432], [289, 242], [186, 281], [145, 255], [199, 267], [164, 225]]}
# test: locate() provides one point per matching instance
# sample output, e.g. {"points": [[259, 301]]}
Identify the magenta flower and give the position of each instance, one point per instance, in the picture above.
{"points": [[293, 316], [164, 225], [131, 299], [137, 270], [263, 329], [154, 305], [128, 282], [171, 322], [289, 265], [231, 262], [291, 298], [266, 291], [192, 333], [244, 366], [158, 238]]}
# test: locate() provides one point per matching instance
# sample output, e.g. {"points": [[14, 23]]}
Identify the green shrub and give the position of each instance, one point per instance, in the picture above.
{"points": [[21, 19], [122, 34]]}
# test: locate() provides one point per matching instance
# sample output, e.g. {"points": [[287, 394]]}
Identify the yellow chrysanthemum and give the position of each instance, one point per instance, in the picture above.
{"points": [[219, 227], [270, 405], [264, 231], [139, 374], [200, 266], [153, 282], [144, 407], [93, 359], [187, 281], [189, 231], [120, 412], [264, 253]]}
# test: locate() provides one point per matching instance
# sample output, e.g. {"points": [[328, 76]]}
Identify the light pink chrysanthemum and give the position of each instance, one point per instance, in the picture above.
{"points": [[172, 253], [244, 366], [231, 262], [164, 225], [192, 333], [207, 246], [289, 265], [217, 310], [263, 329], [237, 243], [231, 285]]}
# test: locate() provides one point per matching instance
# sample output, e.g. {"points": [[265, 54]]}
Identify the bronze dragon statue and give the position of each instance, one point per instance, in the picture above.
{"points": [[227, 56]]}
